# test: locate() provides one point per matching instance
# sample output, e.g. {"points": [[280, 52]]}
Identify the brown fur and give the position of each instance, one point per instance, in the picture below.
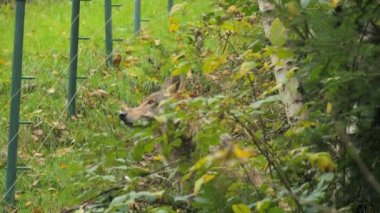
{"points": [[150, 107]]}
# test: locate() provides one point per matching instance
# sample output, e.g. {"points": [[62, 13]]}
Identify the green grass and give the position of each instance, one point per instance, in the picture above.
{"points": [[58, 151]]}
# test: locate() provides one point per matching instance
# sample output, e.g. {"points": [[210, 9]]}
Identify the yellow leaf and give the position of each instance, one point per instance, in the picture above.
{"points": [[183, 68], [293, 8], [129, 50], [245, 68], [63, 166], [322, 161], [291, 73], [266, 66], [177, 7], [257, 55], [157, 157], [157, 42], [212, 63], [35, 138], [176, 58], [241, 208], [144, 36], [227, 26], [58, 125], [29, 203], [208, 177], [174, 25], [51, 91], [232, 9], [204, 179], [200, 163], [62, 152], [99, 93], [335, 3], [38, 132], [249, 55], [242, 153], [130, 61], [329, 108]]}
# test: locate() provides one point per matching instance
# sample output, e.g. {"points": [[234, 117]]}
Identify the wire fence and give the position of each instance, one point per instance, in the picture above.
{"points": [[41, 103], [60, 81]]}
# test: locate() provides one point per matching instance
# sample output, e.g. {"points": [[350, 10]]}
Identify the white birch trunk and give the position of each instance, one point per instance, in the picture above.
{"points": [[290, 96]]}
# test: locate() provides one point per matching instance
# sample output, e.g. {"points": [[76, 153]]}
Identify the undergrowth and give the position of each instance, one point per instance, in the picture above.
{"points": [[241, 154], [56, 150]]}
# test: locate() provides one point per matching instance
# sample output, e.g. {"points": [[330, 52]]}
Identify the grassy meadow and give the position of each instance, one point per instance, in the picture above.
{"points": [[60, 153]]}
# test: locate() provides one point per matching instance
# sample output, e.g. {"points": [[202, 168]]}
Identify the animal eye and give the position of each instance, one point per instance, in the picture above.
{"points": [[151, 102]]}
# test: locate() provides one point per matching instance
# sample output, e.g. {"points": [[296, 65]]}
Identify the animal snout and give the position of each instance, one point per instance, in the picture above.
{"points": [[122, 116], [126, 118]]}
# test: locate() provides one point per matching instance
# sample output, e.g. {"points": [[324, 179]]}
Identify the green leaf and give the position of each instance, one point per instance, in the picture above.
{"points": [[212, 63], [270, 99], [119, 200], [277, 33], [263, 205], [136, 72], [276, 210], [283, 53], [182, 68], [208, 137], [137, 171], [110, 178], [245, 68], [241, 208], [322, 160], [305, 3], [183, 198], [327, 177], [204, 179], [148, 196], [164, 209]]}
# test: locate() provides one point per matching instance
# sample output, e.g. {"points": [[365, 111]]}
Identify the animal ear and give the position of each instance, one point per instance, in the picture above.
{"points": [[173, 84]]}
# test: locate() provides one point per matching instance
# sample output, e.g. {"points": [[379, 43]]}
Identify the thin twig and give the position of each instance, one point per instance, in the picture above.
{"points": [[252, 182], [353, 152], [282, 177]]}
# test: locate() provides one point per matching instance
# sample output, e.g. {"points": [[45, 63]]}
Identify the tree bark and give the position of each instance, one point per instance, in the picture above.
{"points": [[289, 88]]}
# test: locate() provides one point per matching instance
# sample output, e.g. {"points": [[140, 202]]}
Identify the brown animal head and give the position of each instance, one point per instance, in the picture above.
{"points": [[150, 107]]}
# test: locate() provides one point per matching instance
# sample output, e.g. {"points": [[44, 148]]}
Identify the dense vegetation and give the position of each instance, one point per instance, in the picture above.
{"points": [[244, 154]]}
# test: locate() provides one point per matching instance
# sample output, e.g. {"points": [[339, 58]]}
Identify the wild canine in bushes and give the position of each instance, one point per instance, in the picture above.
{"points": [[151, 107]]}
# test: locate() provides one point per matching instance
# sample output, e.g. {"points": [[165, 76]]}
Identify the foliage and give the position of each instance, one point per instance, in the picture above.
{"points": [[223, 144], [337, 45], [257, 169]]}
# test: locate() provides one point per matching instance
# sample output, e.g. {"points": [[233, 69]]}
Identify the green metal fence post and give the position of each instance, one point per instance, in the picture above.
{"points": [[73, 66], [108, 23], [170, 4], [15, 102], [137, 16]]}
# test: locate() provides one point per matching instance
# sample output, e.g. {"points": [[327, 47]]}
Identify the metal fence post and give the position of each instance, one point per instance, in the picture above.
{"points": [[137, 17], [73, 66], [108, 24], [170, 5], [15, 102]]}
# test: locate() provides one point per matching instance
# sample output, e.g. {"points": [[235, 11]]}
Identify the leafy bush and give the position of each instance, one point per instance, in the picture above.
{"points": [[246, 156]]}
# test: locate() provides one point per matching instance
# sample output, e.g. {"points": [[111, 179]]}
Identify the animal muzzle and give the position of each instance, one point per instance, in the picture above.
{"points": [[124, 117]]}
